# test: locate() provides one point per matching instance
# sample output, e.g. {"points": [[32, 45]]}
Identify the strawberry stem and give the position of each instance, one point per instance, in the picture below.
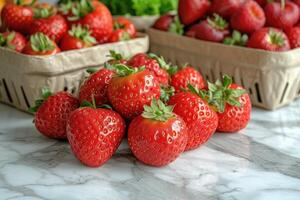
{"points": [[158, 111], [41, 43]]}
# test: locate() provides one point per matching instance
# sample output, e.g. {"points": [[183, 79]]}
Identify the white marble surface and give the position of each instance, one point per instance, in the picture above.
{"points": [[261, 163]]}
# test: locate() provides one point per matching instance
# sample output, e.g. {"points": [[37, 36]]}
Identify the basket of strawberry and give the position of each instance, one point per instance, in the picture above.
{"points": [[256, 42], [48, 45], [165, 110]]}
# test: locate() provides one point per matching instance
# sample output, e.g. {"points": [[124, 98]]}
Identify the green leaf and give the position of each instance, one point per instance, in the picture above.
{"points": [[46, 93], [176, 27], [238, 92], [92, 70], [166, 92], [86, 104], [227, 80], [212, 87], [158, 111]]}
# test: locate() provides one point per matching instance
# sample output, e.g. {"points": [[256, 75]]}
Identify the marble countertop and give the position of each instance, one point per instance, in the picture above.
{"points": [[261, 163]]}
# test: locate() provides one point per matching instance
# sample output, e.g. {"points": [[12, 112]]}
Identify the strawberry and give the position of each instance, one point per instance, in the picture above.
{"points": [[116, 58], [132, 89], [296, 2], [40, 44], [158, 136], [124, 29], [282, 15], [185, 76], [213, 29], [190, 11], [233, 105], [262, 3], [199, 117], [192, 31], [77, 38], [249, 18], [52, 112], [225, 8], [270, 39], [237, 39], [170, 23], [17, 16], [48, 22], [94, 15], [96, 87], [293, 35], [13, 40], [94, 134]]}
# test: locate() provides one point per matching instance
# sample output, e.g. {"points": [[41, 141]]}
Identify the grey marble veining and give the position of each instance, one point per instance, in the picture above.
{"points": [[261, 163]]}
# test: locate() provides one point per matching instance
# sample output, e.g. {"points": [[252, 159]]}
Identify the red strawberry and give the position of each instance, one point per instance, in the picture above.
{"points": [[158, 136], [48, 22], [96, 87], [17, 17], [233, 105], [190, 11], [199, 117], [170, 23], [94, 15], [13, 40], [296, 2], [77, 38], [40, 44], [249, 18], [294, 37], [225, 8], [282, 15], [95, 134], [133, 89], [213, 29], [270, 39], [52, 112], [124, 29], [153, 63], [192, 31], [185, 76], [262, 3]]}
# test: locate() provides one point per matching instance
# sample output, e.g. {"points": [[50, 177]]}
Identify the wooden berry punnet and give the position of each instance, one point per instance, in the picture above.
{"points": [[272, 78], [22, 77]]}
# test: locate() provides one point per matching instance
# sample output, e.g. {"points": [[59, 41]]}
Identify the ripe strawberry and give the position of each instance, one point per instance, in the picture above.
{"points": [[96, 87], [282, 15], [52, 112], [213, 29], [249, 18], [270, 39], [170, 23], [158, 136], [294, 37], [94, 15], [199, 117], [95, 134], [233, 105], [190, 11], [296, 2], [40, 44], [77, 38], [192, 31], [237, 39], [17, 16], [185, 76], [48, 22], [124, 29], [133, 89], [13, 40], [225, 8], [262, 3]]}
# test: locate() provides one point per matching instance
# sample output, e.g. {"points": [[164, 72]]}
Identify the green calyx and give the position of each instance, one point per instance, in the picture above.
{"points": [[118, 26], [276, 38], [6, 42], [176, 26], [2, 40], [125, 36], [41, 43], [65, 6], [166, 92], [83, 34], [194, 90], [217, 22], [237, 39], [93, 104], [40, 12], [115, 56], [158, 111], [24, 2], [80, 9], [46, 93], [163, 64], [122, 70]]}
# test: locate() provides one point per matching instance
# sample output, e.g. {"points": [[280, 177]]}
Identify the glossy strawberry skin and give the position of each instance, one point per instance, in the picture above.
{"points": [[96, 86], [157, 143], [234, 118], [282, 18], [262, 3], [164, 22], [200, 119], [192, 31], [294, 37], [29, 51], [51, 118], [55, 27], [185, 76], [95, 135], [126, 25], [190, 11], [16, 17], [18, 42], [129, 94], [225, 8], [209, 33], [118, 35], [261, 40], [142, 59], [69, 42], [249, 18]]}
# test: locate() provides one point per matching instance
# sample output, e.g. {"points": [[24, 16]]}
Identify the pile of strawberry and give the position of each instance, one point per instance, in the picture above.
{"points": [[271, 25], [166, 111], [42, 29]]}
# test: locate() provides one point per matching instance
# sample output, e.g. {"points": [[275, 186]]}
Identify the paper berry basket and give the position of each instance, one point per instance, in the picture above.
{"points": [[22, 77], [271, 78]]}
